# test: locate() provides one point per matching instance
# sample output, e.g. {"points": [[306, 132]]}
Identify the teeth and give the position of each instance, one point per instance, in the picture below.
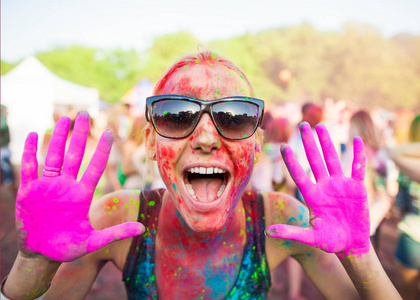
{"points": [[191, 191], [217, 170], [221, 190], [202, 170]]}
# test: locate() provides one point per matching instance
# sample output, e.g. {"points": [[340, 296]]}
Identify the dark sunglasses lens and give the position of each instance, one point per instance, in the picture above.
{"points": [[175, 118], [236, 120]]}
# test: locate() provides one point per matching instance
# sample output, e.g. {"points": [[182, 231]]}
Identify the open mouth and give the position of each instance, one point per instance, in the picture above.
{"points": [[206, 184]]}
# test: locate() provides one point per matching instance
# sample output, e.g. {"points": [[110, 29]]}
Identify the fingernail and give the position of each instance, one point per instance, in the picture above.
{"points": [[270, 231], [283, 147]]}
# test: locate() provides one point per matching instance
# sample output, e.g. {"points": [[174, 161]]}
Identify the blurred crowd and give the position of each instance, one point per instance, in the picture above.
{"points": [[392, 147]]}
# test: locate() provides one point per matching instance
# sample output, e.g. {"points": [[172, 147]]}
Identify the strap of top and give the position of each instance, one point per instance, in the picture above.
{"points": [[253, 281], [138, 274]]}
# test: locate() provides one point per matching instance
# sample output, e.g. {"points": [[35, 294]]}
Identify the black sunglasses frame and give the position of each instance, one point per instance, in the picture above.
{"points": [[205, 106]]}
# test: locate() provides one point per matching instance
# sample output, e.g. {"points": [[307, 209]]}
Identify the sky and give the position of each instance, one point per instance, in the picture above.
{"points": [[31, 26]]}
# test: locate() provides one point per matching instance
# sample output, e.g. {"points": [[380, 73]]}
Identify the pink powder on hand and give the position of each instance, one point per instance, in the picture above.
{"points": [[338, 205], [52, 211]]}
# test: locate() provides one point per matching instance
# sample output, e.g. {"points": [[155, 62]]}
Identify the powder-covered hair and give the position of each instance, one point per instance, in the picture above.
{"points": [[205, 56], [414, 133], [361, 124]]}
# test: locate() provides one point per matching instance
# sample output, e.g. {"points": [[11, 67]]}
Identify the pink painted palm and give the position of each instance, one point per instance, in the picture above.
{"points": [[337, 204], [52, 212]]}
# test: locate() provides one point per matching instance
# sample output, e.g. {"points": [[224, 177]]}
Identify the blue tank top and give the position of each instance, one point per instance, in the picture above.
{"points": [[253, 280]]}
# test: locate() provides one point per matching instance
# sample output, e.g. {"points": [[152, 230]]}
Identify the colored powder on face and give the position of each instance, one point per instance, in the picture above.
{"points": [[174, 186], [186, 67], [116, 200], [218, 91], [292, 219]]}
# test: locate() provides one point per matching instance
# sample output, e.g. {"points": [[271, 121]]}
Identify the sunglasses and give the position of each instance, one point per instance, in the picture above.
{"points": [[175, 116]]}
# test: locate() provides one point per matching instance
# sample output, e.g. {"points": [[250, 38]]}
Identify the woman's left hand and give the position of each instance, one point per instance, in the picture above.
{"points": [[337, 204]]}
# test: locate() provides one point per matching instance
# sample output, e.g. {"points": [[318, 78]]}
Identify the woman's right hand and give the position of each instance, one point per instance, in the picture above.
{"points": [[52, 212]]}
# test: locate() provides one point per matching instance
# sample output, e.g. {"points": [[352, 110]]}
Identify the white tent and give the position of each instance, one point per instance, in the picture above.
{"points": [[32, 93]]}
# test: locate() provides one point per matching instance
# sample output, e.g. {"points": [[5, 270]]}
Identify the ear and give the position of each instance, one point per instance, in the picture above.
{"points": [[150, 142]]}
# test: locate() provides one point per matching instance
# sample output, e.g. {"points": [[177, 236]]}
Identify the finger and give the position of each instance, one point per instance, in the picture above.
{"points": [[312, 153], [282, 231], [330, 154], [98, 163], [57, 145], [295, 169], [74, 155], [115, 233], [359, 160], [29, 167]]}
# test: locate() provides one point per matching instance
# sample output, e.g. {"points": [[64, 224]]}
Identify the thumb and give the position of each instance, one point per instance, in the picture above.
{"points": [[100, 238], [281, 231]]}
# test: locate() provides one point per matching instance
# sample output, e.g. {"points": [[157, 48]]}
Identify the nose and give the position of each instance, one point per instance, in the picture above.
{"points": [[205, 136]]}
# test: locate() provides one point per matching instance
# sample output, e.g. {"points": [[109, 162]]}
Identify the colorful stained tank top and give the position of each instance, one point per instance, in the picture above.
{"points": [[253, 280]]}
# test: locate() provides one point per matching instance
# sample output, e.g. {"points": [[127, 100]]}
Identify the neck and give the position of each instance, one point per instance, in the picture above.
{"points": [[176, 231]]}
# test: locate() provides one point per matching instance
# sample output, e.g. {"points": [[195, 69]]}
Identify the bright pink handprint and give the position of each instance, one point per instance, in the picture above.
{"points": [[52, 211], [338, 205]]}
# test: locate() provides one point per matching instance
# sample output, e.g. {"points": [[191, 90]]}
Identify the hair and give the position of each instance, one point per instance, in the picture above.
{"points": [[137, 131], [312, 114], [278, 130], [361, 124], [205, 56], [414, 133]]}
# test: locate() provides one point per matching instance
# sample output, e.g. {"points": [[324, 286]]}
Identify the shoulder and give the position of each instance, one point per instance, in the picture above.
{"points": [[281, 208], [115, 208], [110, 210]]}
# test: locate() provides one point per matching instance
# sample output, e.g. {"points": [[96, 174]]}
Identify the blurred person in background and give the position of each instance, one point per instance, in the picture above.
{"points": [[7, 175], [120, 123], [361, 124], [407, 159], [140, 172]]}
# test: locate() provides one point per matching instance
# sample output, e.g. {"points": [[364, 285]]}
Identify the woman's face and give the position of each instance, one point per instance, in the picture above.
{"points": [[205, 201]]}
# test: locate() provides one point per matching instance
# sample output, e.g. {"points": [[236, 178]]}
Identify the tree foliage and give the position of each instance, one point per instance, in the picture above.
{"points": [[356, 63]]}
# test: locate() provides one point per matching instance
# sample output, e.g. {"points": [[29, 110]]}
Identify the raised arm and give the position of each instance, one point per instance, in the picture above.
{"points": [[52, 219], [407, 159], [339, 213]]}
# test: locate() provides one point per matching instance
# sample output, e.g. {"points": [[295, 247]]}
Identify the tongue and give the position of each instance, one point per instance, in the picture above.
{"points": [[206, 189]]}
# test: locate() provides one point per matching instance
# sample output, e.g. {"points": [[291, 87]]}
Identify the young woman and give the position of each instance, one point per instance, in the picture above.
{"points": [[361, 124], [202, 236]]}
